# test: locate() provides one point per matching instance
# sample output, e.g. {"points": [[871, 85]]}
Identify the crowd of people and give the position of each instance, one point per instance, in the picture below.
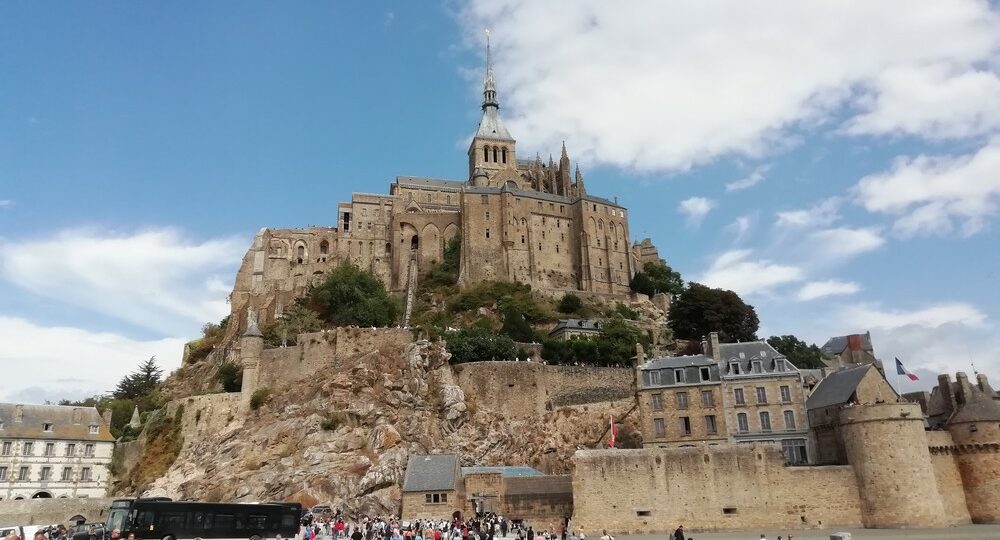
{"points": [[487, 527]]}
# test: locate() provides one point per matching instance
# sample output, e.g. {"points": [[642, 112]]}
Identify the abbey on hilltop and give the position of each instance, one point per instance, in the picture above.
{"points": [[523, 220]]}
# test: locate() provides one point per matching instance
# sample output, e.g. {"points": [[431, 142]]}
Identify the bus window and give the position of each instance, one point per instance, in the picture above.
{"points": [[288, 521], [117, 519], [199, 520], [144, 520], [171, 521], [256, 522], [224, 522]]}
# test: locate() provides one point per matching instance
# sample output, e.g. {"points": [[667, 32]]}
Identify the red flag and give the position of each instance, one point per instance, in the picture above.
{"points": [[614, 432]]}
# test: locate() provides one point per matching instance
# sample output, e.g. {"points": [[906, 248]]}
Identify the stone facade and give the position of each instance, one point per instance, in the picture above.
{"points": [[521, 220], [50, 451]]}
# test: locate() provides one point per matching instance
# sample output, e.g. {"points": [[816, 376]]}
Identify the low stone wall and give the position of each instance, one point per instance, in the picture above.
{"points": [[725, 487], [527, 389], [52, 511]]}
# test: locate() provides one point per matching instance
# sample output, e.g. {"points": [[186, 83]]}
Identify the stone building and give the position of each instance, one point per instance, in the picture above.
{"points": [[525, 220], [734, 392], [883, 468], [436, 487], [50, 451], [567, 329], [849, 350]]}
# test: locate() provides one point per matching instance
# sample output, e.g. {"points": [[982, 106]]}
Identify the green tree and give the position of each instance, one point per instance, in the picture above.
{"points": [[625, 312], [445, 273], [230, 375], [798, 352], [657, 277], [616, 342], [699, 310], [298, 319], [570, 303], [515, 326], [141, 382], [351, 296], [476, 345]]}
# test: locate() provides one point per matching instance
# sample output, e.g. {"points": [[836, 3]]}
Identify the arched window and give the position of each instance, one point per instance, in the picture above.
{"points": [[503, 154], [324, 247], [388, 248], [301, 253], [414, 242], [600, 225], [494, 154], [486, 153]]}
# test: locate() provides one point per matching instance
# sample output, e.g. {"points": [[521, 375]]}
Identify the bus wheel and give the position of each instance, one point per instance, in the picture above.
{"points": [[255, 537], [169, 537]]}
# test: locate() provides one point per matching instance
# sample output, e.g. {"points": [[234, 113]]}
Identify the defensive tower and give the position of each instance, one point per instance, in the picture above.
{"points": [[975, 430]]}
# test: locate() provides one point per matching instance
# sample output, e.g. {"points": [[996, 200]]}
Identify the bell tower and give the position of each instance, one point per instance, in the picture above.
{"points": [[492, 148]]}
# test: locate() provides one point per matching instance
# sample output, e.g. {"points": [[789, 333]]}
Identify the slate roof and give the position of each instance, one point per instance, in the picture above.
{"points": [[586, 325], [837, 344], [518, 471], [61, 417], [752, 350], [434, 472], [492, 127], [435, 182], [666, 362], [837, 387]]}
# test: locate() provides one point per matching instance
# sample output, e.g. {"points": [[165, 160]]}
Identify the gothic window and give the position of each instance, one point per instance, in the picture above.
{"points": [[494, 154], [388, 248], [324, 247], [503, 154], [486, 153], [414, 242], [301, 252], [600, 225], [448, 199], [524, 222], [487, 233]]}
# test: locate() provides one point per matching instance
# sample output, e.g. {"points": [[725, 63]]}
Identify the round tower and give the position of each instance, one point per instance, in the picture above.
{"points": [[975, 430], [479, 177], [886, 445], [251, 347]]}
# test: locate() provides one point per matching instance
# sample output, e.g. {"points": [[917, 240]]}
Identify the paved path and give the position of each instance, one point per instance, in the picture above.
{"points": [[967, 532]]}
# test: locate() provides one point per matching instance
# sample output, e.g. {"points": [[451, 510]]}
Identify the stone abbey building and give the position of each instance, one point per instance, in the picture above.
{"points": [[523, 220]]}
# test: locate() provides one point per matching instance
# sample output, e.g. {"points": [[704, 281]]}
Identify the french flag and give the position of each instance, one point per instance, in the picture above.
{"points": [[903, 371]]}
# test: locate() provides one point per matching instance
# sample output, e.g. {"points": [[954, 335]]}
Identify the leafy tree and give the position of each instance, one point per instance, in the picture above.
{"points": [[614, 346], [797, 351], [445, 273], [625, 312], [657, 277], [351, 296], [476, 344], [570, 303], [141, 382], [298, 319], [230, 375], [515, 326], [699, 310]]}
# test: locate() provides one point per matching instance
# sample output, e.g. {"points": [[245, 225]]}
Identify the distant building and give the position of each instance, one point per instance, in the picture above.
{"points": [[734, 392], [50, 451], [436, 487], [853, 349], [567, 329]]}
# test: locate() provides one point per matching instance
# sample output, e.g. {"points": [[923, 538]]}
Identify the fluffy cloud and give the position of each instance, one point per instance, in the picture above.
{"points": [[695, 209], [6, 203], [154, 279], [737, 271], [666, 85], [933, 316], [51, 363], [820, 289], [749, 181], [928, 195], [740, 226], [844, 242], [822, 214]]}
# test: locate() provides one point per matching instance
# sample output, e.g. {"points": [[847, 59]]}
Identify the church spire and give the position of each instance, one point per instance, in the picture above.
{"points": [[489, 85]]}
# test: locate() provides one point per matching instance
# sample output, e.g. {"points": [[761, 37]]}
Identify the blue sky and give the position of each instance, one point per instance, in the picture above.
{"points": [[837, 166]]}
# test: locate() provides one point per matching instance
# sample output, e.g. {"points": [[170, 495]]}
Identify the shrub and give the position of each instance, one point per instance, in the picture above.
{"points": [[657, 277], [626, 312], [570, 303], [351, 296], [230, 375], [475, 345], [259, 398], [515, 327], [329, 424], [445, 273], [500, 293]]}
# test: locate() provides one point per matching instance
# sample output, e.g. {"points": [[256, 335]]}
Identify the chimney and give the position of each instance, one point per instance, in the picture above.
{"points": [[713, 344], [964, 390], [944, 386], [18, 413], [77, 417], [106, 416], [984, 385]]}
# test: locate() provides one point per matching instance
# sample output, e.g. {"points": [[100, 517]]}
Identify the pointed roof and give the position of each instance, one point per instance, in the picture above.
{"points": [[491, 126], [252, 329]]}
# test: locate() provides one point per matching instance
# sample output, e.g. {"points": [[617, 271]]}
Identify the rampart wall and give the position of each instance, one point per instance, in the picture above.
{"points": [[725, 487], [528, 388], [948, 477], [52, 511]]}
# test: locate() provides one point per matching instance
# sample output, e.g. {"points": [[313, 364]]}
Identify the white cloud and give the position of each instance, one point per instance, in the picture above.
{"points": [[749, 181], [844, 242], [736, 271], [822, 214], [741, 226], [667, 85], [936, 101], [820, 289], [154, 279], [928, 195], [932, 316], [50, 363], [696, 208], [6, 203]]}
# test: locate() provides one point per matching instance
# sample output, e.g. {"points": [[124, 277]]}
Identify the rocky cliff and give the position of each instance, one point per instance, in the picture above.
{"points": [[345, 411]]}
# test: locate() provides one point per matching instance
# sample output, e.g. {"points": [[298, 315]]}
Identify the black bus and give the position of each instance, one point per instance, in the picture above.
{"points": [[164, 519]]}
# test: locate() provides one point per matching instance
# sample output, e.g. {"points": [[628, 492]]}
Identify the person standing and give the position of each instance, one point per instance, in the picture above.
{"points": [[679, 533]]}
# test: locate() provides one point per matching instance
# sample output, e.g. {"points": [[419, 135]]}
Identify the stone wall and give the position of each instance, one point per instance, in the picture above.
{"points": [[53, 511], [725, 487], [529, 388], [415, 506], [542, 501], [948, 477]]}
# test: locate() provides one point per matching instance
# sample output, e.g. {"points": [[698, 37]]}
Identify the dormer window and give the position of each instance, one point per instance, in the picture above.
{"points": [[734, 368], [47, 427], [779, 365], [763, 354], [706, 374], [757, 366], [654, 377], [93, 429], [679, 375]]}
